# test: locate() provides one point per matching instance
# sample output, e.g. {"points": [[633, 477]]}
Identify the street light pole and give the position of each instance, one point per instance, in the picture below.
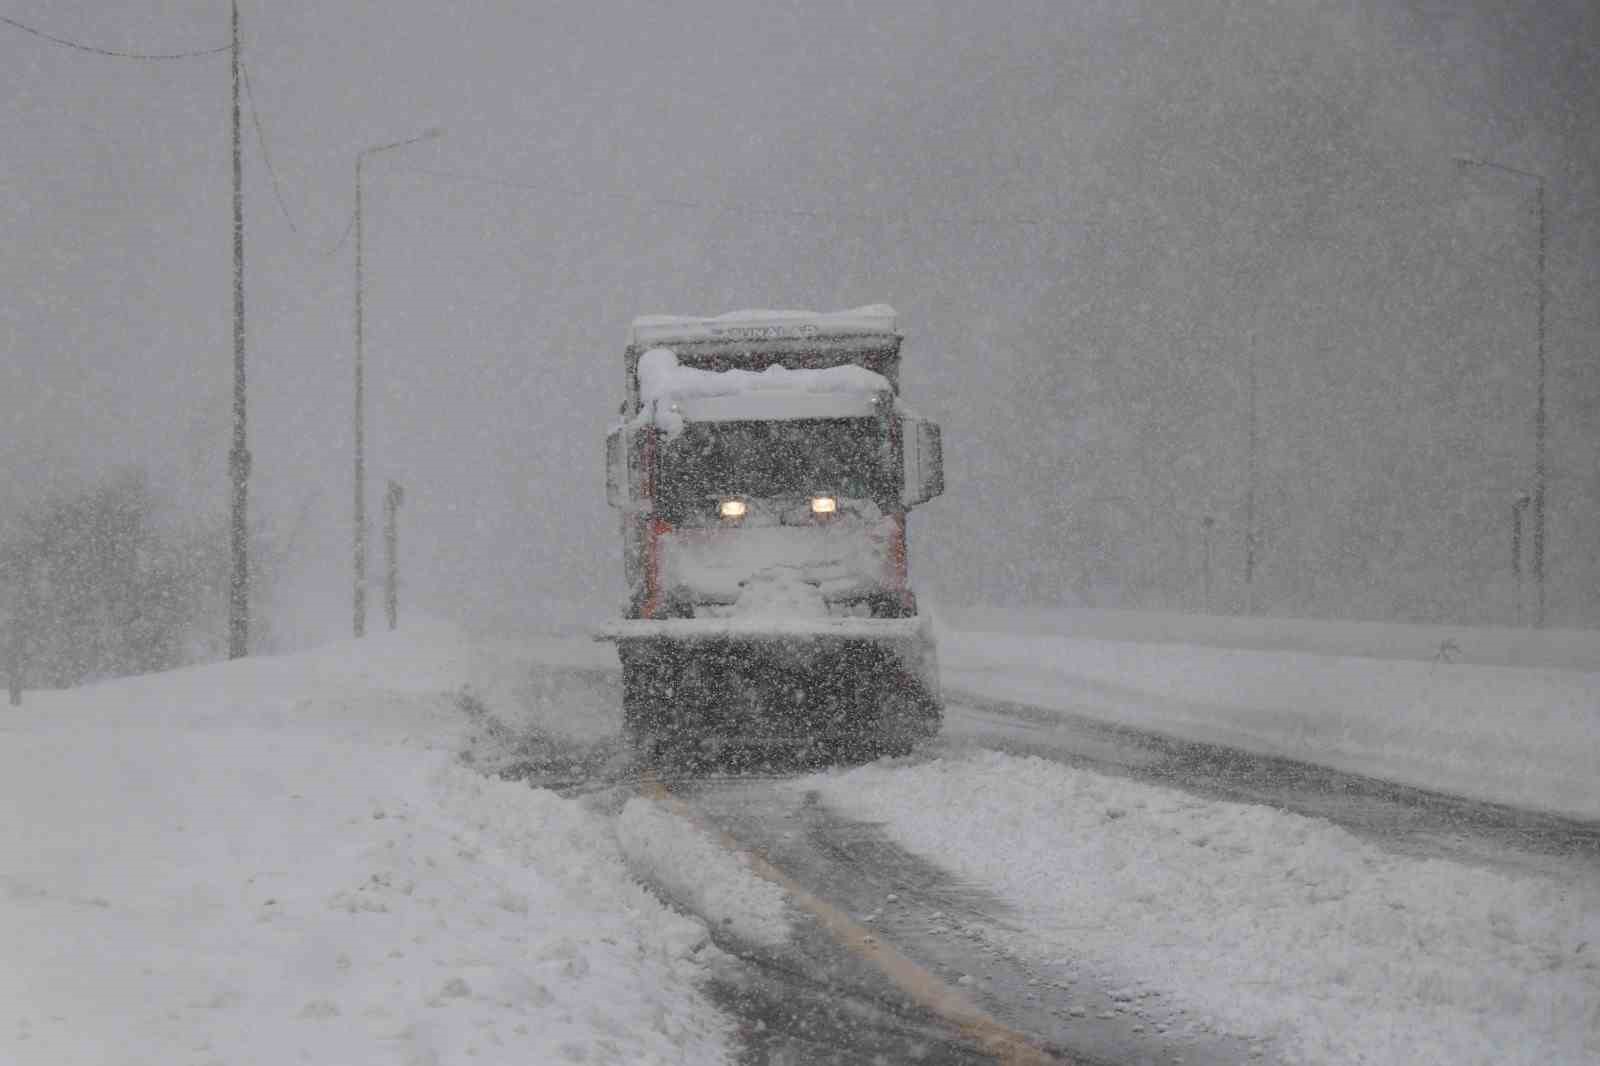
{"points": [[360, 604], [1539, 409], [1253, 476], [239, 454]]}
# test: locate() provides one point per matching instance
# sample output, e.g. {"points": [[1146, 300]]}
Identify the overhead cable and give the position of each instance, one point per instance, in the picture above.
{"points": [[266, 156], [63, 42]]}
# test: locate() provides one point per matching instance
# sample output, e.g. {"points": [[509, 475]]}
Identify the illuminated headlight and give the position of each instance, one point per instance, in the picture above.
{"points": [[732, 508], [824, 505]]}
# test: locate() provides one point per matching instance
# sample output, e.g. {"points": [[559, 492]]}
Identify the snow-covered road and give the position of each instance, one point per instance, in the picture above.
{"points": [[1401, 818], [1242, 920], [286, 859]]}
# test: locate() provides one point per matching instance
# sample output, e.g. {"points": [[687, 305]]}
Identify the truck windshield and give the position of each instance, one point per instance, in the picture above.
{"points": [[708, 461]]}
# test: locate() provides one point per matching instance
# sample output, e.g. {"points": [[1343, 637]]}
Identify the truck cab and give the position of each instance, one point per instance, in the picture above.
{"points": [[764, 466]]}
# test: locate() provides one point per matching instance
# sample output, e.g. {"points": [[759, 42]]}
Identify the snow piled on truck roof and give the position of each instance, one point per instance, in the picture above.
{"points": [[774, 393], [762, 325]]}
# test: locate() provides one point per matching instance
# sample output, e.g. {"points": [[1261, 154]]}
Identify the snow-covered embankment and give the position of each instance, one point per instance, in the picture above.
{"points": [[279, 859]]}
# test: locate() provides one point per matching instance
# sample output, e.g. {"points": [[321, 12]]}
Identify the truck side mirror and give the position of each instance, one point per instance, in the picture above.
{"points": [[924, 460], [616, 468]]}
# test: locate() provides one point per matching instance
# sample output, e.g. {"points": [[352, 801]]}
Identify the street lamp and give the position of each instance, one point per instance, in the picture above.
{"points": [[1253, 475], [1539, 423], [360, 416]]}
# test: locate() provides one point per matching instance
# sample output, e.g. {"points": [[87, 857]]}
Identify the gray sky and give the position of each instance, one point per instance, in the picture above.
{"points": [[1088, 214]]}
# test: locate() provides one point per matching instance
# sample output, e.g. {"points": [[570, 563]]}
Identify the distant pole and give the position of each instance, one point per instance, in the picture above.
{"points": [[1540, 430], [360, 620], [1518, 506], [391, 541], [22, 600], [1542, 368], [360, 598], [1253, 473], [1207, 523], [239, 454], [14, 659]]}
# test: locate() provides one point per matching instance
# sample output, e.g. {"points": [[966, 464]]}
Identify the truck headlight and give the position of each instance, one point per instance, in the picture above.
{"points": [[824, 505], [732, 509]]}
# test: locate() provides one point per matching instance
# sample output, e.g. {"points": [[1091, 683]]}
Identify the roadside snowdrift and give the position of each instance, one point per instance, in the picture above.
{"points": [[278, 860], [702, 873]]}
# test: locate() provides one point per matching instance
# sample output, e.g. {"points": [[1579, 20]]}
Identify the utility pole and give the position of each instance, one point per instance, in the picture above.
{"points": [[1540, 469], [1540, 428], [359, 627], [239, 454], [1253, 473], [391, 542]]}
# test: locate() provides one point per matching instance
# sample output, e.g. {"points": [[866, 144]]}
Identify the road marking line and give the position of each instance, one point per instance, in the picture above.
{"points": [[1007, 1045]]}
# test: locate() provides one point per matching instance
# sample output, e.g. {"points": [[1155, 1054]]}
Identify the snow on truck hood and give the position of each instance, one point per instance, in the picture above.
{"points": [[776, 393]]}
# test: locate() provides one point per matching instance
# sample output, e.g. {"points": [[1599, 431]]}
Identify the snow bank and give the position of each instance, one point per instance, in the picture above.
{"points": [[1510, 735], [278, 860], [1566, 649], [703, 875], [565, 689], [1267, 925]]}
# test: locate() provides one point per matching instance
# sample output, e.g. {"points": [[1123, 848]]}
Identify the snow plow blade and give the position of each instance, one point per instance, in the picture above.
{"points": [[778, 629], [845, 688]]}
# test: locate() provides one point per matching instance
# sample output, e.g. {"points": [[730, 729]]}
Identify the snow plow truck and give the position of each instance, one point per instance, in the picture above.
{"points": [[764, 465]]}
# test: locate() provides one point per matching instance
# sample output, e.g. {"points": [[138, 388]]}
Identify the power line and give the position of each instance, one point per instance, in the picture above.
{"points": [[349, 227], [266, 156], [63, 42], [255, 114]]}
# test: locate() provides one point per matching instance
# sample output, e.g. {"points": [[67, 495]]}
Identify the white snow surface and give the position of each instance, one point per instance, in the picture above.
{"points": [[1447, 719], [694, 868], [280, 860], [283, 859], [662, 378], [1253, 922]]}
